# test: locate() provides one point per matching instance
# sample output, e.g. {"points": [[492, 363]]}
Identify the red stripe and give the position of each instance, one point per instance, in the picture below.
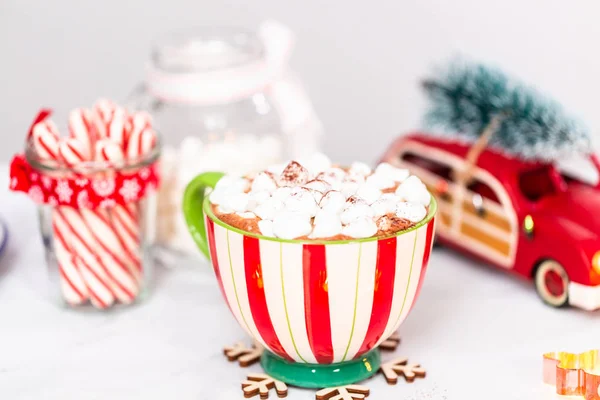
{"points": [[125, 226], [139, 143], [426, 254], [92, 293], [58, 235], [129, 253], [77, 153], [257, 299], [316, 302], [86, 122], [50, 126], [69, 282], [385, 274], [51, 153], [132, 210], [213, 256]]}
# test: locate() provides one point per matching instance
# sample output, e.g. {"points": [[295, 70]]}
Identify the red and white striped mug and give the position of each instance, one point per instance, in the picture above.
{"points": [[313, 303]]}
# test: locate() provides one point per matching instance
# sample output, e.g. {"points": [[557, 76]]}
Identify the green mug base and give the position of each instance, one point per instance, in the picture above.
{"points": [[321, 375]]}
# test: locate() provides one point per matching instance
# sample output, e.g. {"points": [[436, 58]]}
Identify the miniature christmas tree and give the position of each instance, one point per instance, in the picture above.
{"points": [[467, 98]]}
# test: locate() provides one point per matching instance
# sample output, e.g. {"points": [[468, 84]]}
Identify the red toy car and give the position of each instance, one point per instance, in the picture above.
{"points": [[530, 218]]}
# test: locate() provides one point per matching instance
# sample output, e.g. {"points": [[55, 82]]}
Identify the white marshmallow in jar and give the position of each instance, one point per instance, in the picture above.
{"points": [[96, 193], [225, 99]]}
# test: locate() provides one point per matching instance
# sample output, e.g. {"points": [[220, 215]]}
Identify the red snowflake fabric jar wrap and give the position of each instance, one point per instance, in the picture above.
{"points": [[96, 191]]}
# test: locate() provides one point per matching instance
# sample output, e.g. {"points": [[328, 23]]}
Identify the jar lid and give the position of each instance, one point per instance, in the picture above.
{"points": [[217, 65]]}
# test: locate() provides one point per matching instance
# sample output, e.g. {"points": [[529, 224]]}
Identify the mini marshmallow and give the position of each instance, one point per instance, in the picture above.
{"points": [[326, 225], [301, 202], [334, 176], [282, 193], [291, 225], [238, 202], [257, 198], [413, 212], [360, 228], [316, 195], [349, 188], [391, 172], [333, 201], [266, 227], [369, 193], [246, 214], [350, 184], [277, 169], [226, 187], [383, 223], [380, 181], [232, 184], [356, 210], [294, 174], [414, 191], [385, 205], [217, 196], [269, 208], [360, 168], [263, 183], [318, 185], [224, 209], [318, 163]]}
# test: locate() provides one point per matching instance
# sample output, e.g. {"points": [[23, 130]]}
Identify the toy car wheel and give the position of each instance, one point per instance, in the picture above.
{"points": [[552, 283]]}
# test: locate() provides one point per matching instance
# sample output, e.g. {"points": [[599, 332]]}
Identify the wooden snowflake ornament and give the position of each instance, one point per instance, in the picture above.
{"points": [[392, 369], [350, 392], [391, 343], [246, 356], [261, 384]]}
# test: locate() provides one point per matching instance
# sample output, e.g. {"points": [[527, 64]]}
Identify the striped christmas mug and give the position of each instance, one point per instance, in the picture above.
{"points": [[320, 308]]}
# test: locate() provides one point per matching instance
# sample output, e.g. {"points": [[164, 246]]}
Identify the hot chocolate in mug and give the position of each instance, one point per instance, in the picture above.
{"points": [[320, 308]]}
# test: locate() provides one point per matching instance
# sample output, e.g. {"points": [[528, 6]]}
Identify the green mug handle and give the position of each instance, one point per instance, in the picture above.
{"points": [[193, 207]]}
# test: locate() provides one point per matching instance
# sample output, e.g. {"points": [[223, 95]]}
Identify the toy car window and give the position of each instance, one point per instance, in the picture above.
{"points": [[484, 190], [442, 170], [536, 183], [579, 169]]}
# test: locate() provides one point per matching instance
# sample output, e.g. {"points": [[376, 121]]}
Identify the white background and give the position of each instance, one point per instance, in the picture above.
{"points": [[361, 61], [479, 332]]}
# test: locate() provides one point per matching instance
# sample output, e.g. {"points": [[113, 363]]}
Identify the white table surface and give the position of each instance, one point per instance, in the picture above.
{"points": [[479, 332]]}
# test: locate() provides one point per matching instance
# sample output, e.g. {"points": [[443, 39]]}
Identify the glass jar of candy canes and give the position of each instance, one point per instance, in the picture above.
{"points": [[225, 100], [96, 191]]}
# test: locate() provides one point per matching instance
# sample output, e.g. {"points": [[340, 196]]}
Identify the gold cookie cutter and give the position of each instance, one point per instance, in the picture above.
{"points": [[574, 374]]}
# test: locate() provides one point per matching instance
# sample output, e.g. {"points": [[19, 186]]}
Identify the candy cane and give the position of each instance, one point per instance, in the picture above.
{"points": [[95, 280], [127, 219], [108, 150], [116, 127], [80, 126], [73, 151], [137, 122], [46, 140], [124, 220], [140, 143], [73, 287], [96, 257], [101, 116]]}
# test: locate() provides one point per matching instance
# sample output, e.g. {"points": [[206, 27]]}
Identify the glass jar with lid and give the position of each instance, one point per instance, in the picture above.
{"points": [[224, 99]]}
